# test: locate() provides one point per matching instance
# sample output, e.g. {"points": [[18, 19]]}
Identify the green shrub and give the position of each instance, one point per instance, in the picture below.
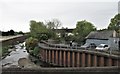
{"points": [[31, 43], [4, 50], [36, 51]]}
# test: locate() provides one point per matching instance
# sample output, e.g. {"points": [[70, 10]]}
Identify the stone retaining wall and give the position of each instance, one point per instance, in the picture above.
{"points": [[13, 41], [101, 70]]}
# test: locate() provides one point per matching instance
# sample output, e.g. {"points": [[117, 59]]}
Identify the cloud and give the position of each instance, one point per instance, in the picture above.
{"points": [[59, 1], [17, 14]]}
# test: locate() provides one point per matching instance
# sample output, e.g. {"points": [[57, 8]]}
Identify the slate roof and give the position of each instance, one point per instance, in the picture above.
{"points": [[100, 34]]}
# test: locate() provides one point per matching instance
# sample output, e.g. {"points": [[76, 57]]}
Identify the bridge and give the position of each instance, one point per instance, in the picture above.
{"points": [[66, 59], [70, 60], [66, 56]]}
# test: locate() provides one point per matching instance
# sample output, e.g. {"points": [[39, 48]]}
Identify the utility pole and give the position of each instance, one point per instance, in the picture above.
{"points": [[119, 39], [118, 30]]}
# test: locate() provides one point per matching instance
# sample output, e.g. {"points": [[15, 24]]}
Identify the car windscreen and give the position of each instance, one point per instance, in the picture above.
{"points": [[100, 46], [87, 44]]}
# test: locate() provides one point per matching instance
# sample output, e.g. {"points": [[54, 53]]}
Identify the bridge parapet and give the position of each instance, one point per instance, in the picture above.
{"points": [[102, 70], [68, 57]]}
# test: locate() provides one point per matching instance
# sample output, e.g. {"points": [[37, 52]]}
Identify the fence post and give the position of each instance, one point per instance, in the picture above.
{"points": [[64, 58]]}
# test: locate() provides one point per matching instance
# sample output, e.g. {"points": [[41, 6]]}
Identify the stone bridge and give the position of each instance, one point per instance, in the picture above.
{"points": [[66, 56]]}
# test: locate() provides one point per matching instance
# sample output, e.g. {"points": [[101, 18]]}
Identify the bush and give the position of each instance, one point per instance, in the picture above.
{"points": [[4, 50], [36, 51], [31, 43]]}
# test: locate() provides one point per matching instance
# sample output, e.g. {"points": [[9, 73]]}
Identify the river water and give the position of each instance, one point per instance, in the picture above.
{"points": [[17, 53]]}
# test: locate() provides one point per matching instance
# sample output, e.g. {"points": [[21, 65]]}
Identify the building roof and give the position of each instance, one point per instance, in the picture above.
{"points": [[64, 30], [100, 34]]}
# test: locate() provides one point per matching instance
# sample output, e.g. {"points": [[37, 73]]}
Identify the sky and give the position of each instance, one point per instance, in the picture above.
{"points": [[16, 14]]}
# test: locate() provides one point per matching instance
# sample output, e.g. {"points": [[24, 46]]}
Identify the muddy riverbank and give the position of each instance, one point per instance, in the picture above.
{"points": [[13, 58]]}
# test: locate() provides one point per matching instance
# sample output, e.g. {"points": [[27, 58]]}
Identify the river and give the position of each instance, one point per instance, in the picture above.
{"points": [[17, 53]]}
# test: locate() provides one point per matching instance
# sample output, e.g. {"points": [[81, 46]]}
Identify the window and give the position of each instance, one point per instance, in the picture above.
{"points": [[106, 46]]}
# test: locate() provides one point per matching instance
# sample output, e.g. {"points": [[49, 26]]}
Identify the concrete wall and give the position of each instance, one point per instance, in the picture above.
{"points": [[13, 40], [93, 70]]}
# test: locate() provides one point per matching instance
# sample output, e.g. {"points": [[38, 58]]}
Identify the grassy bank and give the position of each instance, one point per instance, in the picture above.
{"points": [[4, 51]]}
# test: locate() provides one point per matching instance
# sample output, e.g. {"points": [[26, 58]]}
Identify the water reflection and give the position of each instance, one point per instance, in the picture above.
{"points": [[12, 59]]}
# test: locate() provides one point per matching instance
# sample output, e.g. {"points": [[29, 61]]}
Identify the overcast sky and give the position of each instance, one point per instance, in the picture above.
{"points": [[16, 14]]}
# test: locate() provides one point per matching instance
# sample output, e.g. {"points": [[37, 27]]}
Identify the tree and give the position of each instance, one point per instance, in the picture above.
{"points": [[38, 30], [114, 22], [50, 24], [53, 24], [57, 23], [83, 28], [118, 27], [20, 32], [11, 32], [31, 43]]}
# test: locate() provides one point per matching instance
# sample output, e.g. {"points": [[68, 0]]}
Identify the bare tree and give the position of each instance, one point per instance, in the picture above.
{"points": [[50, 24], [53, 24], [57, 23]]}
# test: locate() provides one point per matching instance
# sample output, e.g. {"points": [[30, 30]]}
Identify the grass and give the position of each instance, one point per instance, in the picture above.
{"points": [[4, 51]]}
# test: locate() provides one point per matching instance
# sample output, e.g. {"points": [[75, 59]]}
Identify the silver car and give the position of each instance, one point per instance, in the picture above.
{"points": [[103, 47]]}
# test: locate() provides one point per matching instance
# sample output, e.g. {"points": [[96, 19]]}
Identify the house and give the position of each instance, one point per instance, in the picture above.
{"points": [[109, 37]]}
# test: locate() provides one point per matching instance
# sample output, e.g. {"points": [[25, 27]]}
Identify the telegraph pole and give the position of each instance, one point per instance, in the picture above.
{"points": [[119, 26], [118, 30]]}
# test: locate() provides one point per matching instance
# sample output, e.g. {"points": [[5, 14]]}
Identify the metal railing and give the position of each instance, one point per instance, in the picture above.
{"points": [[47, 45], [61, 45]]}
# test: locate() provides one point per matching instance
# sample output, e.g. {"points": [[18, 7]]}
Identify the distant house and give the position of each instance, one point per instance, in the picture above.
{"points": [[104, 37]]}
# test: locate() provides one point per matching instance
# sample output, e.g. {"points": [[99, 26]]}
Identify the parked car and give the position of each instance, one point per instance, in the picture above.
{"points": [[74, 44], [103, 47], [89, 45]]}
